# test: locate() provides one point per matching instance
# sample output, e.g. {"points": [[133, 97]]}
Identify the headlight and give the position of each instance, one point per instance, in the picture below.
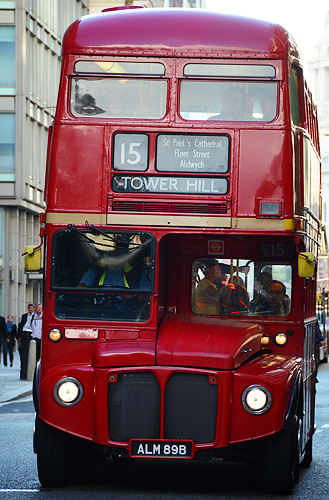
{"points": [[256, 400], [280, 339], [68, 391]]}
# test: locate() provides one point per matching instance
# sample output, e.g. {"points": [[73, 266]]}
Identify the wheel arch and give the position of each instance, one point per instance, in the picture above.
{"points": [[295, 407]]}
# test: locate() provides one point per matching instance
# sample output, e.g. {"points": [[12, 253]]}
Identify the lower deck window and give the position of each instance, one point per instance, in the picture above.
{"points": [[223, 286]]}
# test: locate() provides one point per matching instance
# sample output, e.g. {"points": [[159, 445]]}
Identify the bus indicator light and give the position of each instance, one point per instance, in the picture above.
{"points": [[55, 335]]}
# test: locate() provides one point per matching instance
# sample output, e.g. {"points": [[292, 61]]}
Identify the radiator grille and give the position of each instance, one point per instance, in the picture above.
{"points": [[190, 407], [169, 207], [134, 407]]}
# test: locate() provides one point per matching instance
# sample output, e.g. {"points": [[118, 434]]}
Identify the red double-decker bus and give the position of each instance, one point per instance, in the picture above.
{"points": [[181, 237]]}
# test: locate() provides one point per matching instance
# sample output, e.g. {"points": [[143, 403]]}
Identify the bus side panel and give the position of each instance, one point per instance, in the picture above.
{"points": [[76, 169], [265, 171]]}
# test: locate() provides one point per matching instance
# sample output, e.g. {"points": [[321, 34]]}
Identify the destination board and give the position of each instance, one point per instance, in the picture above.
{"points": [[157, 184], [192, 153]]}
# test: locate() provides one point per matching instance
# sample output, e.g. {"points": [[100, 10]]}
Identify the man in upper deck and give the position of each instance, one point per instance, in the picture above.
{"points": [[86, 105], [231, 106]]}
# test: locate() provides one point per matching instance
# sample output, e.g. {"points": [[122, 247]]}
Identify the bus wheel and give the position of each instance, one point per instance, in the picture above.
{"points": [[51, 455], [281, 461], [308, 456]]}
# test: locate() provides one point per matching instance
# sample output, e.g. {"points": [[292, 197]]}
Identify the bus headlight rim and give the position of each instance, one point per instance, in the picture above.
{"points": [[68, 391], [256, 399]]}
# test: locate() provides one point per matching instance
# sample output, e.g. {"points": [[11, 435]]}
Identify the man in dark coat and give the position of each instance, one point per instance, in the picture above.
{"points": [[25, 335]]}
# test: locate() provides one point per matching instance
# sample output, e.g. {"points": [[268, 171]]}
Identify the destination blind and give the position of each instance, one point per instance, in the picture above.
{"points": [[179, 185], [192, 153]]}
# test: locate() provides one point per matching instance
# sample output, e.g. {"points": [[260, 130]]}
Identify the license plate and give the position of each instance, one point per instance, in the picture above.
{"points": [[161, 449]]}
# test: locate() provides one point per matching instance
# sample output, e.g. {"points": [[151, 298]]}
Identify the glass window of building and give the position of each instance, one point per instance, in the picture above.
{"points": [[7, 142], [7, 59], [1, 237]]}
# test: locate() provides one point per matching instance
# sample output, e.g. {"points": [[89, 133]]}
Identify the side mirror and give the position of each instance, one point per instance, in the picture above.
{"points": [[32, 258], [306, 265]]}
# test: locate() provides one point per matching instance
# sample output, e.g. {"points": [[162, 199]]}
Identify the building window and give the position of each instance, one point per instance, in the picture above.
{"points": [[7, 60], [7, 142], [1, 238]]}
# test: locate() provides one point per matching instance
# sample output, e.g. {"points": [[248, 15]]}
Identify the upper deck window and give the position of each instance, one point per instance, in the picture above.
{"points": [[238, 101], [118, 98], [230, 70], [119, 68]]}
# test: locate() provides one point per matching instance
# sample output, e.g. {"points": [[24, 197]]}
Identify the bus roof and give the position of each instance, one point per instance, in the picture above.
{"points": [[183, 32]]}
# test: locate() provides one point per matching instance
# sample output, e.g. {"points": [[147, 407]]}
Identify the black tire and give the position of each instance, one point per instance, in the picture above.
{"points": [[308, 456], [281, 461], [51, 455]]}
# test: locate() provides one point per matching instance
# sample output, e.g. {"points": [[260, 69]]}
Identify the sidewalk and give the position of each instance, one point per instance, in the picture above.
{"points": [[11, 387]]}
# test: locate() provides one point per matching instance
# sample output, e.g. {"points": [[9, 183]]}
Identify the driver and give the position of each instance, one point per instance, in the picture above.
{"points": [[116, 268], [123, 277]]}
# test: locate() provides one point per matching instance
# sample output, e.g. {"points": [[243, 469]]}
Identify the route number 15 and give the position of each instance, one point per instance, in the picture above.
{"points": [[131, 152]]}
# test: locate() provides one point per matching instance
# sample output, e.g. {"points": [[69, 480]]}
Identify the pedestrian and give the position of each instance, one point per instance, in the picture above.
{"points": [[37, 329], [10, 339], [25, 335], [3, 342]]}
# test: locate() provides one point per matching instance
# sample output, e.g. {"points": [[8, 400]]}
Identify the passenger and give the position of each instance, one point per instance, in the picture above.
{"points": [[248, 107], [268, 105], [86, 105], [231, 107], [261, 303], [237, 280], [207, 294], [235, 299], [264, 279], [280, 302]]}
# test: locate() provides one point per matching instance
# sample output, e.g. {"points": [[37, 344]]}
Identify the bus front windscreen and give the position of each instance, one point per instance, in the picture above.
{"points": [[102, 276]]}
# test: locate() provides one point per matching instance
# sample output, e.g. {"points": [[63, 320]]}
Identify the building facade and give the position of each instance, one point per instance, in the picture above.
{"points": [[30, 47], [185, 4], [99, 5], [319, 73], [96, 6]]}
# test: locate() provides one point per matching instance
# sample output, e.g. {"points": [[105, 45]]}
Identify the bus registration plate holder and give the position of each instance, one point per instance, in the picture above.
{"points": [[160, 449]]}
